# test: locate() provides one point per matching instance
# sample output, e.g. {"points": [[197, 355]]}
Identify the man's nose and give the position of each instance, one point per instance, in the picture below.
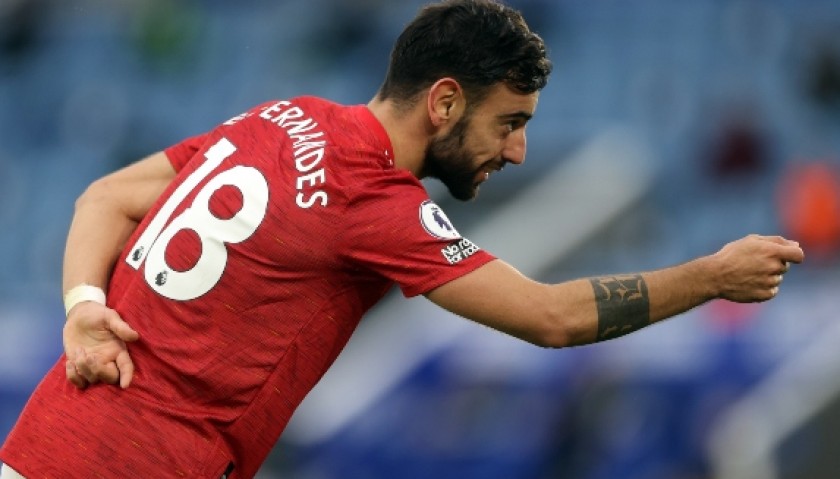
{"points": [[515, 146]]}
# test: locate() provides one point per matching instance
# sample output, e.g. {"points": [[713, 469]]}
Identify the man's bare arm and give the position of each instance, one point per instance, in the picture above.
{"points": [[106, 215], [596, 309]]}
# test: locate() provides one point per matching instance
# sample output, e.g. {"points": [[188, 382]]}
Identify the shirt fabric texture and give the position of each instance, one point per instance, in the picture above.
{"points": [[282, 227]]}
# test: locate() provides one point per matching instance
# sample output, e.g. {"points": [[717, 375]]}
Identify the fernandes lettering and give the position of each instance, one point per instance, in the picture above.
{"points": [[308, 150]]}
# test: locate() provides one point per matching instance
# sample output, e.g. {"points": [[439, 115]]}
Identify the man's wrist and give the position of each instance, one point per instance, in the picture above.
{"points": [[81, 293], [706, 272]]}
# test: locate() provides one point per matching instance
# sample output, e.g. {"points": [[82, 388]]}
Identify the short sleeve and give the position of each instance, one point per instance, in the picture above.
{"points": [[180, 154], [393, 228]]}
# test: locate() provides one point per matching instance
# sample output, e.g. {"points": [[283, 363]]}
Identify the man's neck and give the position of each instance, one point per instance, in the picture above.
{"points": [[408, 132]]}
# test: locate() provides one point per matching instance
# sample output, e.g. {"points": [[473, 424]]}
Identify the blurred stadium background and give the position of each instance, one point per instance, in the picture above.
{"points": [[668, 129]]}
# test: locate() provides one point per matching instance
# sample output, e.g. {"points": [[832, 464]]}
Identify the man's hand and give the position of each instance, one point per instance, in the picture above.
{"points": [[94, 342], [751, 268]]}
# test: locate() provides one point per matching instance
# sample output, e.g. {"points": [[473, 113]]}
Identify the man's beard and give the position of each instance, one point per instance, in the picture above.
{"points": [[449, 161]]}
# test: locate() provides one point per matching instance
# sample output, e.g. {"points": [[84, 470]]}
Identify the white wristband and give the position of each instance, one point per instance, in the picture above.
{"points": [[81, 293]]}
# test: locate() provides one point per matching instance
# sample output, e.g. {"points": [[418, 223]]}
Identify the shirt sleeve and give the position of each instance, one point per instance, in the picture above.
{"points": [[394, 229], [180, 154]]}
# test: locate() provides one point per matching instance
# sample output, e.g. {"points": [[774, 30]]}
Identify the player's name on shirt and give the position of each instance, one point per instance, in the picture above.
{"points": [[308, 149]]}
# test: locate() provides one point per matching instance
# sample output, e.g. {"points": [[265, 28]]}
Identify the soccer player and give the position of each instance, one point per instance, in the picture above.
{"points": [[237, 263]]}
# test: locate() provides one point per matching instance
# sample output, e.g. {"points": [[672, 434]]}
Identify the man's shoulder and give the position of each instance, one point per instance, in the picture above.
{"points": [[315, 106]]}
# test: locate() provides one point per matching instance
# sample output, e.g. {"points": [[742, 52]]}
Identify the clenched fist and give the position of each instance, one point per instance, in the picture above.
{"points": [[751, 269]]}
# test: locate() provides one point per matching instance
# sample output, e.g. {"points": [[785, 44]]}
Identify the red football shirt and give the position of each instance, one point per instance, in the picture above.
{"points": [[245, 280]]}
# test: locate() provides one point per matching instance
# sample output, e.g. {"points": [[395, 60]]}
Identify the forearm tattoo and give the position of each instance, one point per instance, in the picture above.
{"points": [[623, 305]]}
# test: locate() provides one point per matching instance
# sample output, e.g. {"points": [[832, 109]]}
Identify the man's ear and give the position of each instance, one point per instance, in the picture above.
{"points": [[446, 102]]}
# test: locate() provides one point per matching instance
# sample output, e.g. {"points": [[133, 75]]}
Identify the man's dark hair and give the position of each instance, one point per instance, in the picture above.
{"points": [[479, 43]]}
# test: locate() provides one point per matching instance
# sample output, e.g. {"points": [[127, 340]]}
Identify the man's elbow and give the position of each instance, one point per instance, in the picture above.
{"points": [[97, 192], [554, 330], [551, 340]]}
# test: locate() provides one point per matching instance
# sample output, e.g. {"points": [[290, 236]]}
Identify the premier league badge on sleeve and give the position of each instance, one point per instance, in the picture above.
{"points": [[435, 222]]}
